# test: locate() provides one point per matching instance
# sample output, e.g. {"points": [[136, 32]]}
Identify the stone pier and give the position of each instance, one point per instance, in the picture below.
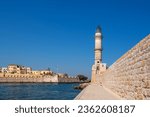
{"points": [[96, 92]]}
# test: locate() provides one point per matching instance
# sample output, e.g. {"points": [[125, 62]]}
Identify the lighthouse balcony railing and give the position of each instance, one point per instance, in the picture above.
{"points": [[98, 49]]}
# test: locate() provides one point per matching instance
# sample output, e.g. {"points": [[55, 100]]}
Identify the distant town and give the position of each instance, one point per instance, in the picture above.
{"points": [[15, 70]]}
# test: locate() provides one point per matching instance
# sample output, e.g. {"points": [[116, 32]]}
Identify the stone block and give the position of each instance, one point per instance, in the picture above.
{"points": [[146, 92], [138, 96], [146, 84]]}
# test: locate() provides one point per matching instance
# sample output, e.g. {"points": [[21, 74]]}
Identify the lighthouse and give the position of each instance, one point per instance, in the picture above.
{"points": [[98, 68], [98, 46]]}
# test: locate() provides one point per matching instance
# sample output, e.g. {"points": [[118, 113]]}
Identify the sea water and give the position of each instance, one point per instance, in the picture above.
{"points": [[38, 91]]}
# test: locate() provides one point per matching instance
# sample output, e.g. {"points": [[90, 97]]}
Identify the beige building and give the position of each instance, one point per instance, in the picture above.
{"points": [[14, 68], [36, 72], [42, 72], [46, 72], [98, 68], [61, 75]]}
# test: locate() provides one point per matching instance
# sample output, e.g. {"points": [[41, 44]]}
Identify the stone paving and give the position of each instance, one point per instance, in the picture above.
{"points": [[96, 92]]}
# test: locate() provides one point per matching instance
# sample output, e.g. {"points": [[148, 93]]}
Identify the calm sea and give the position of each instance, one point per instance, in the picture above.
{"points": [[38, 91]]}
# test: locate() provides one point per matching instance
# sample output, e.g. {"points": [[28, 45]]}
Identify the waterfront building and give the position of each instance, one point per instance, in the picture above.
{"points": [[14, 68], [98, 68], [19, 71], [36, 72], [4, 70], [29, 70], [46, 72], [23, 70], [61, 75]]}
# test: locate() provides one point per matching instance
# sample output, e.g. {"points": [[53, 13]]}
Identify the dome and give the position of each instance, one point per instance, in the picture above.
{"points": [[98, 29]]}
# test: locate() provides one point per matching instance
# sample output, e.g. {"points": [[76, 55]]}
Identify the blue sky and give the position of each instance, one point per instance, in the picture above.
{"points": [[60, 33]]}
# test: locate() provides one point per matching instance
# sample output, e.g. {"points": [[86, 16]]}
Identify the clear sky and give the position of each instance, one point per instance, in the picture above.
{"points": [[60, 33]]}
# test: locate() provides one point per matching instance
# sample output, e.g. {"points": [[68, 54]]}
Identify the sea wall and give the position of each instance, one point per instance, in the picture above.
{"points": [[29, 79], [38, 79], [129, 76], [68, 80]]}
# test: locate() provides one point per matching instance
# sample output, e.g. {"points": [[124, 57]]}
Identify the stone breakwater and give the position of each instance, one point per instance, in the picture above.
{"points": [[129, 76], [38, 79]]}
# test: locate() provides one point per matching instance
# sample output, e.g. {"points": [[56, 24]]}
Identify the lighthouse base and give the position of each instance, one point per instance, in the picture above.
{"points": [[97, 71]]}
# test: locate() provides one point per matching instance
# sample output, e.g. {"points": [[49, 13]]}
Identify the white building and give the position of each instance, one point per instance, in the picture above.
{"points": [[29, 70], [4, 70]]}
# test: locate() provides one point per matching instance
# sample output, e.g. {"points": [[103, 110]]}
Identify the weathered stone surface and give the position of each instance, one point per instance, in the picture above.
{"points": [[96, 92], [129, 76]]}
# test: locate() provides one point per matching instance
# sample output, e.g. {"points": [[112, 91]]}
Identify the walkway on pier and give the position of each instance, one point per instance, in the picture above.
{"points": [[96, 92]]}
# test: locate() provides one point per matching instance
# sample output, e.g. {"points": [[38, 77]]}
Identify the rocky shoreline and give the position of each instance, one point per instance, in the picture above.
{"points": [[81, 86]]}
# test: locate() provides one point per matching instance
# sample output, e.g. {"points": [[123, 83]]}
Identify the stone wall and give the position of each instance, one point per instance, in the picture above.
{"points": [[68, 80], [129, 76], [29, 79], [38, 79]]}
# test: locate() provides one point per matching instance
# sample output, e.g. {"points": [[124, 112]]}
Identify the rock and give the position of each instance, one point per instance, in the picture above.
{"points": [[81, 86]]}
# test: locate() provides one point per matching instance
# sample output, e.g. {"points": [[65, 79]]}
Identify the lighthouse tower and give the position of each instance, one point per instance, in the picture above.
{"points": [[98, 68]]}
